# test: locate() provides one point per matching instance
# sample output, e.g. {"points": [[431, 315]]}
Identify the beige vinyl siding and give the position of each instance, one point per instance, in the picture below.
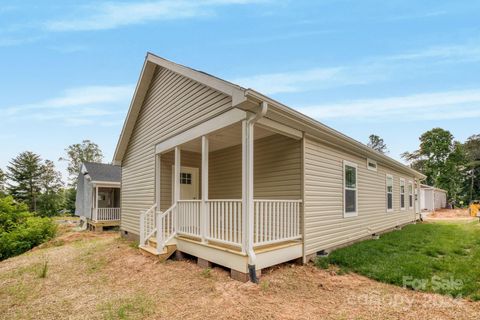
{"points": [[187, 159], [325, 225], [277, 170], [173, 104]]}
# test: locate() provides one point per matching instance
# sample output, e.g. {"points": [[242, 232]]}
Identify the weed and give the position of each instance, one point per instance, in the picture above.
{"points": [[206, 273], [264, 285], [322, 262], [43, 270], [136, 307]]}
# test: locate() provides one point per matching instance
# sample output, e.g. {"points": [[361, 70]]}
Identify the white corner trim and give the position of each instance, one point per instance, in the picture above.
{"points": [[224, 120]]}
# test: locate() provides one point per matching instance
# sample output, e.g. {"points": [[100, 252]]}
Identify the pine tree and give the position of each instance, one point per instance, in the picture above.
{"points": [[24, 173], [3, 181], [51, 200], [377, 143]]}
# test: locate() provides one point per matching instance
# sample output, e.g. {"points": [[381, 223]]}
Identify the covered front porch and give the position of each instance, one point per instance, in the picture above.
{"points": [[229, 191], [105, 206]]}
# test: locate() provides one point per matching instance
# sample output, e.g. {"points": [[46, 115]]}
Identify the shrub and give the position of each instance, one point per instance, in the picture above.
{"points": [[20, 230]]}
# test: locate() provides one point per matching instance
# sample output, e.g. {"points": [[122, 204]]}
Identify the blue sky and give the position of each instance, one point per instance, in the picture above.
{"points": [[394, 68]]}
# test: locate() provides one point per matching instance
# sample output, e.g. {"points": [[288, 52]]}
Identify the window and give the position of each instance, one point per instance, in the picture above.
{"points": [[410, 194], [350, 188], [389, 193], [402, 194], [185, 178], [371, 164]]}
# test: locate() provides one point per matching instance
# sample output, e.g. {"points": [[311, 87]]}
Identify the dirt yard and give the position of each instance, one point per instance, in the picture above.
{"points": [[450, 214], [100, 276]]}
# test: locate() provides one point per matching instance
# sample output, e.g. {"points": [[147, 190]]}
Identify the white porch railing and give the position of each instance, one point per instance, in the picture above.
{"points": [[276, 221], [106, 214], [188, 215], [224, 221], [166, 226], [147, 225]]}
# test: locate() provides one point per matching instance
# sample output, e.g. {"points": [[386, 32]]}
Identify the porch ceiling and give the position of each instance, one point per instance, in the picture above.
{"points": [[226, 137]]}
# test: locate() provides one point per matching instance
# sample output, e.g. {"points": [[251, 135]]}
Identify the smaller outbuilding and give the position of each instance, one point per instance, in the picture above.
{"points": [[98, 195], [432, 198]]}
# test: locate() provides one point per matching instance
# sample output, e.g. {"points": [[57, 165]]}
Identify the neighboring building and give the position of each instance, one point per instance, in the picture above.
{"points": [[235, 178], [432, 198], [98, 195]]}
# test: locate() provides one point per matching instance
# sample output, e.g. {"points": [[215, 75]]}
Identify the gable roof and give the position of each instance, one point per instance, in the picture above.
{"points": [[239, 95], [102, 172]]}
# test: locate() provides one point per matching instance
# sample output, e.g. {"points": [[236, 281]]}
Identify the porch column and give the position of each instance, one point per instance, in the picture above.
{"points": [[176, 175], [96, 203], [247, 186], [204, 214], [158, 163]]}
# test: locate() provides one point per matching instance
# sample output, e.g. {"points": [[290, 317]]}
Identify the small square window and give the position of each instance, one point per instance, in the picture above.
{"points": [[371, 165], [185, 178]]}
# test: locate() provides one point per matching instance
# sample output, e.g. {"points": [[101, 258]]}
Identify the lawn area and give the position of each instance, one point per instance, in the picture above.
{"points": [[442, 257], [85, 275]]}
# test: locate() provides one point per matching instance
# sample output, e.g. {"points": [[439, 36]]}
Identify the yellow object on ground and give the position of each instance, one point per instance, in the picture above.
{"points": [[474, 208]]}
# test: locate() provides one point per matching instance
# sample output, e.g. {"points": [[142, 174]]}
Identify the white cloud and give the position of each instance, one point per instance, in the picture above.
{"points": [[456, 53], [77, 106], [113, 15], [311, 79], [425, 106]]}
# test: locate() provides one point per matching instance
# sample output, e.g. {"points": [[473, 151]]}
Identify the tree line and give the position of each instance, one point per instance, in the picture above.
{"points": [[37, 183], [447, 163]]}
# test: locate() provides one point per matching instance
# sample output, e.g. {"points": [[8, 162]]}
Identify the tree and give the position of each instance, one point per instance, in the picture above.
{"points": [[70, 197], [441, 159], [87, 151], [24, 172], [377, 143], [50, 201], [472, 151], [3, 181]]}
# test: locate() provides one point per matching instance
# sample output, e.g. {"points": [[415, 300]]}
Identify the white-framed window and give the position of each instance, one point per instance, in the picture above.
{"points": [[389, 191], [371, 164], [410, 194], [402, 194], [350, 189]]}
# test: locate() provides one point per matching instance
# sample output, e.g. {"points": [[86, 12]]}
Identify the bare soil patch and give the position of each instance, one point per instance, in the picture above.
{"points": [[99, 276], [450, 214]]}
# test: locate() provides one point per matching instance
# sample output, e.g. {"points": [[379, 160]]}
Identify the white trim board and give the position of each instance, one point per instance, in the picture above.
{"points": [[224, 120]]}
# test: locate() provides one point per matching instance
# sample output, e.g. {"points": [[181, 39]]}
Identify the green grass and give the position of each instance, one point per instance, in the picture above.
{"points": [[136, 307], [439, 257]]}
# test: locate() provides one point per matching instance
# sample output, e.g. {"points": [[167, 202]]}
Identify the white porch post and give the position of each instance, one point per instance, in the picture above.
{"points": [[204, 214], [247, 186], [176, 174], [96, 203], [176, 183], [158, 163]]}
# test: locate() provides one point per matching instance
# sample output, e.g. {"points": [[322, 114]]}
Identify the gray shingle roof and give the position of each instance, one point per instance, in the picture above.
{"points": [[103, 172]]}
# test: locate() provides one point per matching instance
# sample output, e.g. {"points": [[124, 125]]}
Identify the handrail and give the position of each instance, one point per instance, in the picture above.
{"points": [[147, 224], [166, 226]]}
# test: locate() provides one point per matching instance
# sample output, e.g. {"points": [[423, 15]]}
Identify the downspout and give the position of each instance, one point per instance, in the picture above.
{"points": [[252, 258]]}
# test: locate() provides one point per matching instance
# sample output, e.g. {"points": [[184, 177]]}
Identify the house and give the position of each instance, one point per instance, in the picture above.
{"points": [[237, 179], [432, 198], [98, 195]]}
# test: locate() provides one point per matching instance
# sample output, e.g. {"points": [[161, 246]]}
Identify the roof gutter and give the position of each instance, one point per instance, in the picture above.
{"points": [[252, 258], [318, 126]]}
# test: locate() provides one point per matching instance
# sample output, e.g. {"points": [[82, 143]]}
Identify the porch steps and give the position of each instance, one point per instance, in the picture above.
{"points": [[151, 250]]}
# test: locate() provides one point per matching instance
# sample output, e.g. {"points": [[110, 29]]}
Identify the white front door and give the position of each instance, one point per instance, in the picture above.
{"points": [[189, 184]]}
